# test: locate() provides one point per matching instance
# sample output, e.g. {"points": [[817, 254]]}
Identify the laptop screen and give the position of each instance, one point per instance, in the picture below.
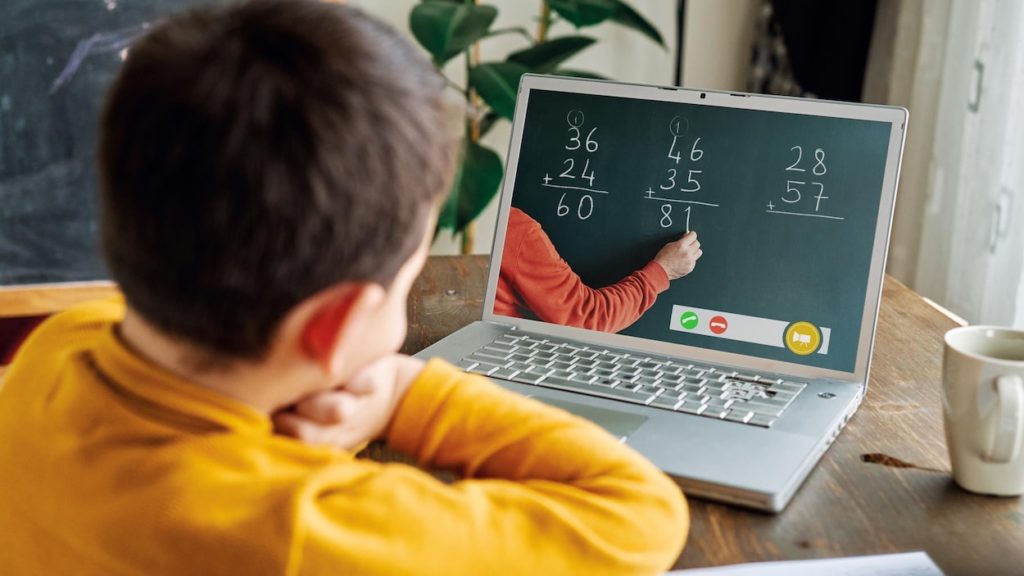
{"points": [[785, 207]]}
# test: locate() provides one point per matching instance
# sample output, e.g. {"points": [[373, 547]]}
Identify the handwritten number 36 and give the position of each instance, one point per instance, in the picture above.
{"points": [[575, 143]]}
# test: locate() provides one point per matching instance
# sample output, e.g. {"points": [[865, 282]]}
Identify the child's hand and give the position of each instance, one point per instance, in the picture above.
{"points": [[355, 413]]}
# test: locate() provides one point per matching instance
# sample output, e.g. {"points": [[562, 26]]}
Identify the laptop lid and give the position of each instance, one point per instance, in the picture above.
{"points": [[792, 200]]}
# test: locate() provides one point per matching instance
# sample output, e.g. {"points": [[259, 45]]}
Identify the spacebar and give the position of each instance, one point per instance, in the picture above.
{"points": [[614, 393]]}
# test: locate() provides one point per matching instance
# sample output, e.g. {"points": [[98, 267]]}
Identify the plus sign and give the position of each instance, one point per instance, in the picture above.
{"points": [[547, 178], [650, 192], [771, 206]]}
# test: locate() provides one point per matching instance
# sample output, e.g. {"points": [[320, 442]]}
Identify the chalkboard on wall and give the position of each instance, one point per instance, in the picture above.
{"points": [[785, 207], [57, 59]]}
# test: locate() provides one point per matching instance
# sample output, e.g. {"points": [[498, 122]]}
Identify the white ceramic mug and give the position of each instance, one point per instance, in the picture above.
{"points": [[983, 407]]}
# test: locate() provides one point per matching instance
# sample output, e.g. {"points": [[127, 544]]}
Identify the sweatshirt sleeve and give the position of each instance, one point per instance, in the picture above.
{"points": [[555, 293], [543, 492]]}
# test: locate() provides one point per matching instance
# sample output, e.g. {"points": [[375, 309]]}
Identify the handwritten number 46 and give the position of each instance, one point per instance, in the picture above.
{"points": [[695, 153]]}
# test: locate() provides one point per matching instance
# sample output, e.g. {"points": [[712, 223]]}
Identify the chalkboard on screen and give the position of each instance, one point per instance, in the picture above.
{"points": [[57, 59], [785, 206]]}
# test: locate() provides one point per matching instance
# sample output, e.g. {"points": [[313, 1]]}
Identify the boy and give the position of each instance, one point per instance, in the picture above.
{"points": [[270, 173]]}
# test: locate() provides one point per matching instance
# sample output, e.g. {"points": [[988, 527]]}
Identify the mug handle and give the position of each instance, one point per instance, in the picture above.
{"points": [[1010, 396]]}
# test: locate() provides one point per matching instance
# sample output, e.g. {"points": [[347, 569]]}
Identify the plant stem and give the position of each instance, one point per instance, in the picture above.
{"points": [[472, 133], [545, 21], [514, 30], [452, 84]]}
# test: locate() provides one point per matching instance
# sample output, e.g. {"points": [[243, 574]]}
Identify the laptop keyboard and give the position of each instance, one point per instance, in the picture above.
{"points": [[657, 382]]}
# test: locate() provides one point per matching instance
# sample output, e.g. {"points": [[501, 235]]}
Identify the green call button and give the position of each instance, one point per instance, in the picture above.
{"points": [[688, 320]]}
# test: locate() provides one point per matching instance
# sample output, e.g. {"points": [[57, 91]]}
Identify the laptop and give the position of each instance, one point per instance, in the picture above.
{"points": [[735, 378]]}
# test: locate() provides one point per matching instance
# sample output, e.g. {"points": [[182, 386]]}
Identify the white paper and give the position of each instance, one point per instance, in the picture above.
{"points": [[907, 564]]}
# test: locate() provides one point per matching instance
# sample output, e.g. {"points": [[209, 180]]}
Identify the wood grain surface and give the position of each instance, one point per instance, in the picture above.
{"points": [[883, 487], [39, 300]]}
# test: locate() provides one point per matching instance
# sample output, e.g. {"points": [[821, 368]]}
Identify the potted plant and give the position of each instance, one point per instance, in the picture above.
{"points": [[454, 28]]}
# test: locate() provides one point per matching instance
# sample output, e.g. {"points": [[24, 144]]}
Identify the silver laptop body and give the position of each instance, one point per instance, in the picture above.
{"points": [[739, 457]]}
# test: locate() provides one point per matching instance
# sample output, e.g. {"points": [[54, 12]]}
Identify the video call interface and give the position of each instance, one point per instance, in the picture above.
{"points": [[784, 205]]}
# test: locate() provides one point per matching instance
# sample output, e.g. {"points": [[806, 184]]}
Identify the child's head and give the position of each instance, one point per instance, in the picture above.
{"points": [[256, 156]]}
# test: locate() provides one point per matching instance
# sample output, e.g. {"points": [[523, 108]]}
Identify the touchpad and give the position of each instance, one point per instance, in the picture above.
{"points": [[619, 424]]}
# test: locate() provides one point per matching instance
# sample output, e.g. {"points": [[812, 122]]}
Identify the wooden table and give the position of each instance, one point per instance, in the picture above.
{"points": [[883, 487]]}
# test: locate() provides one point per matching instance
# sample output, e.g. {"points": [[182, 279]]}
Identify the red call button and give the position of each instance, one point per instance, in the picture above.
{"points": [[718, 324]]}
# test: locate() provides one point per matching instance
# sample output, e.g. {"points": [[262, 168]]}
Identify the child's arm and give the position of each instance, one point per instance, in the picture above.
{"points": [[546, 493]]}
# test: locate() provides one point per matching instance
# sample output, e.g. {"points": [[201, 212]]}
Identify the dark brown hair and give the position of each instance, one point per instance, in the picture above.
{"points": [[254, 155]]}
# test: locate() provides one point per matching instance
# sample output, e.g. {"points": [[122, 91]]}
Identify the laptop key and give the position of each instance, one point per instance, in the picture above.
{"points": [[667, 385], [620, 394], [492, 354], [714, 412], [788, 386], [503, 373], [484, 370], [763, 409], [651, 389], [761, 420], [558, 373], [666, 401], [528, 377], [489, 363], [691, 406], [613, 393], [782, 395], [772, 401], [583, 378], [520, 358], [520, 366], [502, 348], [740, 415]]}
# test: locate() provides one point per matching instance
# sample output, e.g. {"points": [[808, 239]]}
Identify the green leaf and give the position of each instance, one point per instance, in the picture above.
{"points": [[630, 18], [476, 183], [544, 57], [498, 83], [583, 12], [446, 29], [578, 74]]}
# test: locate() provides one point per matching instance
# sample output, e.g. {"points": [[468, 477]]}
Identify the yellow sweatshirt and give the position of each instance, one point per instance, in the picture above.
{"points": [[110, 465]]}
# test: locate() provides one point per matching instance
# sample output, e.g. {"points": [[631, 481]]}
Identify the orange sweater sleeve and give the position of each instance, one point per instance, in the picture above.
{"points": [[544, 492], [554, 293]]}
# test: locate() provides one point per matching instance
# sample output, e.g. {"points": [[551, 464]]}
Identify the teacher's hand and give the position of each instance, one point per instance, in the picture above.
{"points": [[679, 257]]}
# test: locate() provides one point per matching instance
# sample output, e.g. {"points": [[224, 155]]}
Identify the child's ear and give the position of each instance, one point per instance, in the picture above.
{"points": [[338, 321]]}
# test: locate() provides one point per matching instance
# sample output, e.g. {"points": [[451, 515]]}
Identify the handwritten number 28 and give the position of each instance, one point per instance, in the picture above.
{"points": [[819, 167]]}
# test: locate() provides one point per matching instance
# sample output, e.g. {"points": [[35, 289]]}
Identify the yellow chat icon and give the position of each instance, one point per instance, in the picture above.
{"points": [[802, 338]]}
